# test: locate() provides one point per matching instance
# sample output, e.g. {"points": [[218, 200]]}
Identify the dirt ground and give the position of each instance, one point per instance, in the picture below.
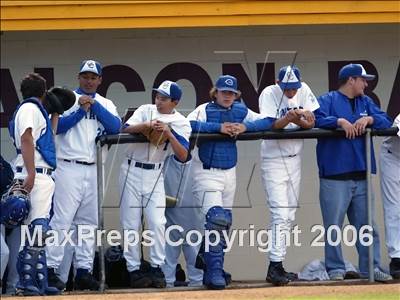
{"points": [[235, 293]]}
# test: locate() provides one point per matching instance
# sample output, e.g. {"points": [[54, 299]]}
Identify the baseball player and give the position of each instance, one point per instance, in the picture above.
{"points": [[291, 103], [178, 183], [342, 166], [32, 133], [214, 176], [390, 187], [76, 176], [142, 183]]}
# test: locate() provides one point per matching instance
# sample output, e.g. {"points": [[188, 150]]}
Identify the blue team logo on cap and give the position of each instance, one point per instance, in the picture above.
{"points": [[166, 85], [227, 83], [289, 78], [90, 66], [170, 89]]}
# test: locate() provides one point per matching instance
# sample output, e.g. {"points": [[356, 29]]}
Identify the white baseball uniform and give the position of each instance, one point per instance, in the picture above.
{"points": [[75, 196], [30, 116], [142, 184], [178, 183], [214, 186], [390, 187], [281, 163]]}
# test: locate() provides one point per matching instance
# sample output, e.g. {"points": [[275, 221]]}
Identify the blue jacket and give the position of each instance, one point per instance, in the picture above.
{"points": [[341, 155], [223, 154], [45, 144]]}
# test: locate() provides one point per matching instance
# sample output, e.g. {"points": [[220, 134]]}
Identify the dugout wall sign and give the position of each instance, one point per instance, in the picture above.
{"points": [[201, 81]]}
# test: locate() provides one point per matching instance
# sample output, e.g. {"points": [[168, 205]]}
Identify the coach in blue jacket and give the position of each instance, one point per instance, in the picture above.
{"points": [[342, 166]]}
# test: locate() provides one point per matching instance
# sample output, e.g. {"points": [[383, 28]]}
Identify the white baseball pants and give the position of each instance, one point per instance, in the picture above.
{"points": [[281, 180], [75, 203], [41, 196], [213, 187], [142, 192], [390, 187]]}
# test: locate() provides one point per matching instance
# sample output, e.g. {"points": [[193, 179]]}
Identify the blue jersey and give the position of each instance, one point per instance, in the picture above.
{"points": [[340, 155]]}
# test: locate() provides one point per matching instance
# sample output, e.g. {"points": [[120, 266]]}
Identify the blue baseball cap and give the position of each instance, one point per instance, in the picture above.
{"points": [[170, 89], [226, 83], [289, 78], [354, 70], [90, 66]]}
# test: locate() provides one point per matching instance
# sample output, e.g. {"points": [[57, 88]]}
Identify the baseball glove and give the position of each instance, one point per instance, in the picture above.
{"points": [[65, 96], [154, 137], [52, 104]]}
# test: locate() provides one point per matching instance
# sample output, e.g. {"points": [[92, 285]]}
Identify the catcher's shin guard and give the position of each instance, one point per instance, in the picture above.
{"points": [[26, 267], [218, 219], [200, 264], [32, 271]]}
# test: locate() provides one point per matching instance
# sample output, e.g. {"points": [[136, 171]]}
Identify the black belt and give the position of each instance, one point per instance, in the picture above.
{"points": [[145, 166], [44, 171], [209, 168], [80, 162]]}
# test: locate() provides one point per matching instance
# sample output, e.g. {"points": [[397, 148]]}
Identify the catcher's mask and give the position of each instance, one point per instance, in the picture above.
{"points": [[14, 205]]}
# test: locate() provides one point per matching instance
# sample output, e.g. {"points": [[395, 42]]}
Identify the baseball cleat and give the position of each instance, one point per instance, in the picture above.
{"points": [[395, 267], [277, 274], [291, 276], [351, 275], [86, 282], [228, 278], [157, 278], [54, 281], [139, 279]]}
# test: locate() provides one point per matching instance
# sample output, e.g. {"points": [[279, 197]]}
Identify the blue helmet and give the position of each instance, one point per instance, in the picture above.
{"points": [[14, 205]]}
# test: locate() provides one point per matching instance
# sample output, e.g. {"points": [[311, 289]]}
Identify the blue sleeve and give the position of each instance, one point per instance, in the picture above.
{"points": [[187, 159], [381, 119], [111, 123], [181, 140], [260, 125], [67, 122], [208, 127], [322, 117]]}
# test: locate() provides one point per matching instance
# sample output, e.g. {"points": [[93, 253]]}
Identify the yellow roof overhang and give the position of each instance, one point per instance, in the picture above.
{"points": [[119, 14]]}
